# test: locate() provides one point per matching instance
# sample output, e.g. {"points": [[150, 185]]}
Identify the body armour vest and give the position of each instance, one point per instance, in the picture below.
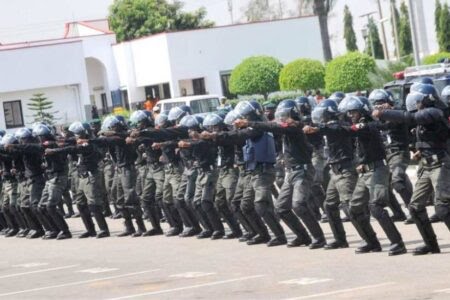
{"points": [[260, 150]]}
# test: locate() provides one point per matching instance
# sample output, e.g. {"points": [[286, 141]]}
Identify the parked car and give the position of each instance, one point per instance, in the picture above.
{"points": [[198, 104]]}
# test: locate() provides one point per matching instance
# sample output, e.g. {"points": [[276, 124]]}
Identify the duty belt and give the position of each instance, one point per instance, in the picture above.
{"points": [[298, 167], [371, 166], [433, 159], [338, 168]]}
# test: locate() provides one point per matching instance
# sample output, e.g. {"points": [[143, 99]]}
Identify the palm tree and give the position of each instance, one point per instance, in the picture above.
{"points": [[322, 8]]}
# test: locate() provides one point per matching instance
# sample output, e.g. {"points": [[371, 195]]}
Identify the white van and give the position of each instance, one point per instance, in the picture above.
{"points": [[198, 104]]}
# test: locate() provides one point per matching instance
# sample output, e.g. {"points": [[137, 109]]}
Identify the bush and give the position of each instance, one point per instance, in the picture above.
{"points": [[435, 58], [302, 74], [349, 73], [383, 75], [256, 75]]}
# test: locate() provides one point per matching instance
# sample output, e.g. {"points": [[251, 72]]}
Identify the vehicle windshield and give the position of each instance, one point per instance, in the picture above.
{"points": [[204, 105], [168, 106]]}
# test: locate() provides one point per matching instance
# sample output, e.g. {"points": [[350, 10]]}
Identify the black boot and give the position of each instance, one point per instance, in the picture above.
{"points": [[361, 221], [101, 221], [155, 221], [11, 221], [292, 221], [60, 222], [23, 228], [85, 214], [128, 222], [70, 211], [139, 222], [204, 221], [426, 231], [392, 233], [174, 219], [36, 228], [334, 219], [229, 218], [262, 234], [313, 227], [214, 219]]}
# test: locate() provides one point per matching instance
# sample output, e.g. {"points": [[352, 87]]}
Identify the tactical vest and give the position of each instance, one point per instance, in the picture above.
{"points": [[259, 151]]}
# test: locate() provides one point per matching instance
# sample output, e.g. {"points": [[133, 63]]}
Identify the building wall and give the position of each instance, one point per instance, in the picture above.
{"points": [[66, 102], [204, 53], [40, 67]]}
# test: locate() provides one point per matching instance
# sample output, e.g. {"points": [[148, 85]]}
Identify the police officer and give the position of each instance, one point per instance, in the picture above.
{"points": [[372, 187], [396, 141], [115, 131], [259, 156], [153, 181], [228, 176], [340, 159], [431, 134], [296, 190], [317, 197], [31, 154], [10, 206], [88, 196]]}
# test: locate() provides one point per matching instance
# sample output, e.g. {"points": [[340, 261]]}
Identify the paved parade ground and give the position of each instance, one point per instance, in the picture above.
{"points": [[187, 268]]}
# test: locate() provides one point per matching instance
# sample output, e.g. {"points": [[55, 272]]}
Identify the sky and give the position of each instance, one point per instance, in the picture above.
{"points": [[25, 20]]}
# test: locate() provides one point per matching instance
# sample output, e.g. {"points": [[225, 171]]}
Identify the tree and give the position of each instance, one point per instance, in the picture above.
{"points": [[437, 16], [436, 58], [395, 18], [405, 40], [256, 75], [302, 74], [259, 10], [373, 42], [131, 19], [349, 72], [349, 33], [444, 29], [322, 8], [41, 107]]}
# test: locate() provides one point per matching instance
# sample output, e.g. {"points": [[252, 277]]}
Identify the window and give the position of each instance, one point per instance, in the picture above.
{"points": [[199, 86], [225, 81], [204, 105], [166, 90], [13, 114], [168, 106]]}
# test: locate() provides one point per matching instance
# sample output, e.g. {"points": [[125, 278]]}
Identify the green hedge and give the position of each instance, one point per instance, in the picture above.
{"points": [[256, 75], [349, 73], [302, 74]]}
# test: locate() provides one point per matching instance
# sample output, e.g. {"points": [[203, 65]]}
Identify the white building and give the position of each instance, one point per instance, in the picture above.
{"points": [[86, 67], [200, 61]]}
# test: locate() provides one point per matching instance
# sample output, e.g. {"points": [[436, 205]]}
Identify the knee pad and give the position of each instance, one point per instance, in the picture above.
{"points": [[377, 211]]}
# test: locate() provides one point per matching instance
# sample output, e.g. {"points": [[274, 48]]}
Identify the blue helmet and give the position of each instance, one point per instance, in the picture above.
{"points": [[287, 109], [426, 80], [380, 96], [110, 123], [2, 132], [178, 112], [78, 128], [141, 116], [41, 130], [445, 94], [304, 105], [249, 109], [162, 120], [191, 122], [9, 139], [230, 118], [412, 99], [324, 111], [122, 121], [360, 104], [337, 96], [431, 95], [212, 120], [23, 133]]}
